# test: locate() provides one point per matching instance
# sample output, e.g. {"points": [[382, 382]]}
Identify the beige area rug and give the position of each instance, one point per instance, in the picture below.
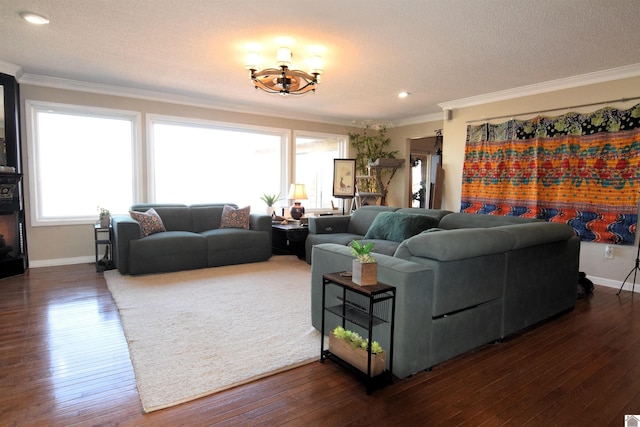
{"points": [[194, 333]]}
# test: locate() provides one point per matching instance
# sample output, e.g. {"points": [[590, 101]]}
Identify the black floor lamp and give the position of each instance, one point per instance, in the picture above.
{"points": [[635, 269]]}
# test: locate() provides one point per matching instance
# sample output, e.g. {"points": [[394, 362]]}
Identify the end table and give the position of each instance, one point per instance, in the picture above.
{"points": [[103, 237], [289, 239], [377, 307]]}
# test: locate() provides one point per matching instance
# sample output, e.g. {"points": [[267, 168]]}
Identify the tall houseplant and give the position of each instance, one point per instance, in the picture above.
{"points": [[370, 146]]}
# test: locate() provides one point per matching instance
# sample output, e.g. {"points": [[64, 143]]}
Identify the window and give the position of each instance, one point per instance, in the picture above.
{"points": [[202, 162], [80, 158], [314, 166]]}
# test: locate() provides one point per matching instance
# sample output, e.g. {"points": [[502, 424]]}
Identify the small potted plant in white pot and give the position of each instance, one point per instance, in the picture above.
{"points": [[105, 217], [270, 200], [364, 268]]}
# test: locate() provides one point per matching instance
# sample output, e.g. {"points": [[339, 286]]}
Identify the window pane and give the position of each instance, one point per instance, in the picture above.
{"points": [[194, 163], [81, 161], [314, 168]]}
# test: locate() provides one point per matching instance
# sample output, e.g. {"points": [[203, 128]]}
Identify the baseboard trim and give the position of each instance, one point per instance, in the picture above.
{"points": [[61, 261], [616, 283]]}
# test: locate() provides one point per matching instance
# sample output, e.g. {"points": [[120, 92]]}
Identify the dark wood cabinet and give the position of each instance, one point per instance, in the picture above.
{"points": [[13, 239], [289, 240]]}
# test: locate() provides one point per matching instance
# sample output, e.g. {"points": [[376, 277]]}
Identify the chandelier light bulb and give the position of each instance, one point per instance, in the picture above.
{"points": [[316, 64], [253, 61], [283, 58]]}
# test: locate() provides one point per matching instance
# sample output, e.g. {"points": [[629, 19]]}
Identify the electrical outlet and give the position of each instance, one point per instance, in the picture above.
{"points": [[608, 252]]}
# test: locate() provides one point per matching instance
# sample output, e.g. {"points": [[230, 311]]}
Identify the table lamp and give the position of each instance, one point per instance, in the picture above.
{"points": [[297, 192]]}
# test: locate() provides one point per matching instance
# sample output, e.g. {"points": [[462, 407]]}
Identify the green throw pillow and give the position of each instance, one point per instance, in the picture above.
{"points": [[398, 226]]}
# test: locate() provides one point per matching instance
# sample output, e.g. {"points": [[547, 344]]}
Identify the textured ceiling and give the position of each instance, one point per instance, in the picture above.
{"points": [[438, 50]]}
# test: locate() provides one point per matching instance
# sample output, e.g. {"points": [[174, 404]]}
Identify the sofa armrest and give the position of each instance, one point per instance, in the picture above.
{"points": [[260, 222], [125, 229], [329, 224], [538, 233], [453, 245], [414, 297]]}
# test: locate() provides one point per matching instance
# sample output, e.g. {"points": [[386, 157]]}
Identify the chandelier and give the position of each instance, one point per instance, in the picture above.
{"points": [[283, 80]]}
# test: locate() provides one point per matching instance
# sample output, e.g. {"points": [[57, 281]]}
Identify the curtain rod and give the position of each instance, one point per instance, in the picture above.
{"points": [[552, 109]]}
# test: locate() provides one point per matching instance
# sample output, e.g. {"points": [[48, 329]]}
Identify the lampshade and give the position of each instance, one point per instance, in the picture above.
{"points": [[297, 192]]}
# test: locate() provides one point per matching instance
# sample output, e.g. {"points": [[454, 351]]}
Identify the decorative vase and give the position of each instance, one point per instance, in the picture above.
{"points": [[357, 357], [297, 210], [364, 274], [271, 211], [105, 221]]}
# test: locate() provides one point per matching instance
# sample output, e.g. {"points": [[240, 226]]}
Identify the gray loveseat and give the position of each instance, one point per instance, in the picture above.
{"points": [[193, 239], [474, 280]]}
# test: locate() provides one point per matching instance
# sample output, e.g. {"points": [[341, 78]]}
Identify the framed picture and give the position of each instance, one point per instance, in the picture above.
{"points": [[344, 178]]}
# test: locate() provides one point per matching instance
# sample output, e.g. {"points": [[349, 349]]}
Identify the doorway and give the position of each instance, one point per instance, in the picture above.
{"points": [[426, 176]]}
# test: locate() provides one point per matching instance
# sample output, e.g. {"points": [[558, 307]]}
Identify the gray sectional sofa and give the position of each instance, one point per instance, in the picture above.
{"points": [[193, 239], [344, 229], [469, 281]]}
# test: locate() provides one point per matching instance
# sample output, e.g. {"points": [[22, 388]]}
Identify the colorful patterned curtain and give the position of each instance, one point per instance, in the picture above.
{"points": [[583, 170]]}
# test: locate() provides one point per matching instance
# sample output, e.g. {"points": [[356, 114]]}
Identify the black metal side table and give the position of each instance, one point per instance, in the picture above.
{"points": [[289, 239], [103, 237], [376, 305]]}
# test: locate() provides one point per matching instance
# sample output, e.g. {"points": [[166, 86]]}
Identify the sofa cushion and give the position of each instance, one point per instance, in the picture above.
{"points": [[436, 213], [150, 222], [226, 246], [235, 218], [470, 220], [398, 227], [175, 217], [207, 217], [362, 218], [170, 251], [381, 246]]}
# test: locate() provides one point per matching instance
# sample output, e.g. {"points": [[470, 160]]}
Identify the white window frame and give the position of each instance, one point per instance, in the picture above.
{"points": [[32, 108], [343, 141], [152, 119]]}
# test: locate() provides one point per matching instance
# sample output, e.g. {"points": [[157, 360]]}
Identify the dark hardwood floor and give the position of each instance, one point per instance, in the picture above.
{"points": [[64, 361]]}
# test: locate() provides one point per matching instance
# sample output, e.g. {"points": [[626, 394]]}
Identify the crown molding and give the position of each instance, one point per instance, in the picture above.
{"points": [[157, 96], [612, 74], [426, 118], [11, 69]]}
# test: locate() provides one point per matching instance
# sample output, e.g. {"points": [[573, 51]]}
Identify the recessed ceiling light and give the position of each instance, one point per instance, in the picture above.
{"points": [[403, 94], [33, 18]]}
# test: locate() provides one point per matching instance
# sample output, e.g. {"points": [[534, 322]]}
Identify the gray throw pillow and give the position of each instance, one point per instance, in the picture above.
{"points": [[398, 226]]}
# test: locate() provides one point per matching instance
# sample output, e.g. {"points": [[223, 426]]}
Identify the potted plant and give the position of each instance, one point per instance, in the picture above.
{"points": [[270, 200], [364, 269], [105, 217], [370, 148], [352, 348]]}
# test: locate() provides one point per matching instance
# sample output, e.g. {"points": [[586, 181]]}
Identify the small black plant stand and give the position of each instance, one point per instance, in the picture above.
{"points": [[376, 305]]}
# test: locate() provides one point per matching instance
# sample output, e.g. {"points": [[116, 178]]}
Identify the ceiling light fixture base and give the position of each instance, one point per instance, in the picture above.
{"points": [[283, 80]]}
